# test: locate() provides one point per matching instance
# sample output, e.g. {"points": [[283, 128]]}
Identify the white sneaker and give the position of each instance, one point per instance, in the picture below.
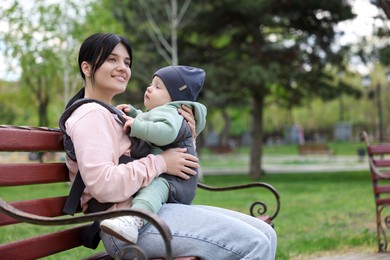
{"points": [[124, 228]]}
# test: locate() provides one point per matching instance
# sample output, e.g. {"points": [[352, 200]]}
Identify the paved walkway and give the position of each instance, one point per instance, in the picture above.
{"points": [[354, 256], [296, 164]]}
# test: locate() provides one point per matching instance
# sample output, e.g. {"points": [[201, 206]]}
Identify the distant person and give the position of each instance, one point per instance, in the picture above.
{"points": [[297, 134], [301, 135]]}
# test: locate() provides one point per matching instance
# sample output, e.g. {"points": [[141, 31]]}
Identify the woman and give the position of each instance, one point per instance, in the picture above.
{"points": [[210, 233]]}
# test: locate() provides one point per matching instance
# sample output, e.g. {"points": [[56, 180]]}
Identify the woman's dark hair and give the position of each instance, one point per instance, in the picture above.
{"points": [[95, 50]]}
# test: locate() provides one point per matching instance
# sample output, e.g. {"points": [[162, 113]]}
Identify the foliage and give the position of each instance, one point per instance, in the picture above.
{"points": [[262, 48], [39, 38], [152, 27], [268, 66], [44, 38], [384, 55]]}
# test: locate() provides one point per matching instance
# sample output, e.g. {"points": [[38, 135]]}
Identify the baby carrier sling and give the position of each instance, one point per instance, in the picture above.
{"points": [[180, 191], [139, 149]]}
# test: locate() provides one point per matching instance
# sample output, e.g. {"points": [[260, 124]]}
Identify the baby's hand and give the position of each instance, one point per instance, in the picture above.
{"points": [[128, 124], [124, 107]]}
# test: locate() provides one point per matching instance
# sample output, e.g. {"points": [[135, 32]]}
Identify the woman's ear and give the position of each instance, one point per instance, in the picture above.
{"points": [[86, 68]]}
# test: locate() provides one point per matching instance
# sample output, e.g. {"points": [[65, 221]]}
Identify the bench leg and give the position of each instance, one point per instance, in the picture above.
{"points": [[382, 224]]}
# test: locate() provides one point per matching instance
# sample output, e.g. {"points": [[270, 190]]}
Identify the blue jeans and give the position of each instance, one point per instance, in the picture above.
{"points": [[207, 232]]}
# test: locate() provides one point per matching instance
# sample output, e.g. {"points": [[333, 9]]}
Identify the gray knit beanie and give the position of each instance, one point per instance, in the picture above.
{"points": [[183, 82]]}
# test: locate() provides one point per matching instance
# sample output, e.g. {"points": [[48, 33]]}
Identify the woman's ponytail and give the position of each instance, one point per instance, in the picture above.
{"points": [[79, 95]]}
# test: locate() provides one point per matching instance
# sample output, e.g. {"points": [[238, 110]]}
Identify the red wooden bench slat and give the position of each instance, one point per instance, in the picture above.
{"points": [[382, 189], [379, 178], [382, 201], [48, 207], [32, 173], [381, 162], [379, 149], [29, 140], [38, 246]]}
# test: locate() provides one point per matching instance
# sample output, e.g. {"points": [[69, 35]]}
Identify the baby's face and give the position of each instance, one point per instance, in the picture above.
{"points": [[156, 94]]}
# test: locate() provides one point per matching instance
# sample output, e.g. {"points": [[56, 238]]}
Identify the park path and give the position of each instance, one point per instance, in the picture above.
{"points": [[296, 164], [354, 256]]}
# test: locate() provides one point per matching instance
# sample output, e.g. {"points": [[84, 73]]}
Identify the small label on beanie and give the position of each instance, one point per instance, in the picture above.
{"points": [[183, 88]]}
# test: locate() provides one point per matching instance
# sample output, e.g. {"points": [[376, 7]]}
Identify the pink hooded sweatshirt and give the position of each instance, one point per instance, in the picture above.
{"points": [[99, 141]]}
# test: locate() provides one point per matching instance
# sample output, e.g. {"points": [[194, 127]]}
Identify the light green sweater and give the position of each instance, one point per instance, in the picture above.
{"points": [[160, 126]]}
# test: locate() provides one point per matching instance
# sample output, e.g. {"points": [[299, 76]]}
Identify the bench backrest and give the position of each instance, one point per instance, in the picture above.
{"points": [[37, 140], [379, 162]]}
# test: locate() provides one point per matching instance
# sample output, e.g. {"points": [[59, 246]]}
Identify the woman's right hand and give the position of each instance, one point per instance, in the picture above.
{"points": [[179, 163]]}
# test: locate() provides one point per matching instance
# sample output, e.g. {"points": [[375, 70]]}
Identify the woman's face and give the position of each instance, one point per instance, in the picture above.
{"points": [[156, 94], [113, 76]]}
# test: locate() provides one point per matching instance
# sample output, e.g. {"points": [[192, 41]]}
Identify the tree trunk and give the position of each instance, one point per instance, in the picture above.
{"points": [[174, 25], [224, 137], [43, 113], [255, 171]]}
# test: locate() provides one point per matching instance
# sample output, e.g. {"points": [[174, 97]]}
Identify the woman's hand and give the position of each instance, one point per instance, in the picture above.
{"points": [[188, 115], [179, 163]]}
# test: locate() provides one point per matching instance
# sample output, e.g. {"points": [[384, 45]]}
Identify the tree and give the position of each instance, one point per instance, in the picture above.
{"points": [[44, 38], [152, 27], [25, 38], [39, 37], [262, 48], [159, 30]]}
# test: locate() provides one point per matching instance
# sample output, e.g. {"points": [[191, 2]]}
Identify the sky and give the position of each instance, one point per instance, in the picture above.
{"points": [[362, 25], [354, 30]]}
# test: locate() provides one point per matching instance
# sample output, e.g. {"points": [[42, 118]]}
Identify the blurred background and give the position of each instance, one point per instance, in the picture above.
{"points": [[278, 72]]}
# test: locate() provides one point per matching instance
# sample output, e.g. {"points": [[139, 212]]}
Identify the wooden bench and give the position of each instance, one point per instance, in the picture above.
{"points": [[220, 149], [379, 162], [48, 211], [314, 149]]}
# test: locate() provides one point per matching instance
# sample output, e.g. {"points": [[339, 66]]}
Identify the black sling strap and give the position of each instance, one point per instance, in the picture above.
{"points": [[73, 201]]}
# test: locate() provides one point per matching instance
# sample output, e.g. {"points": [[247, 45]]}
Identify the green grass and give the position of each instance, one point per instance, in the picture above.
{"points": [[320, 212], [339, 148]]}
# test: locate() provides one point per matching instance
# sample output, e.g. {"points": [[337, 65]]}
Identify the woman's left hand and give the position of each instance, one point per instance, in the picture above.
{"points": [[179, 163], [188, 115]]}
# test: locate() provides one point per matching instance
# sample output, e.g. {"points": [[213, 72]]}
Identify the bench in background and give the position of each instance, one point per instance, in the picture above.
{"points": [[314, 149], [48, 211], [379, 162]]}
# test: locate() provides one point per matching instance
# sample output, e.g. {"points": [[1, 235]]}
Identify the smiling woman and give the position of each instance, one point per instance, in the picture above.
{"points": [[111, 181]]}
